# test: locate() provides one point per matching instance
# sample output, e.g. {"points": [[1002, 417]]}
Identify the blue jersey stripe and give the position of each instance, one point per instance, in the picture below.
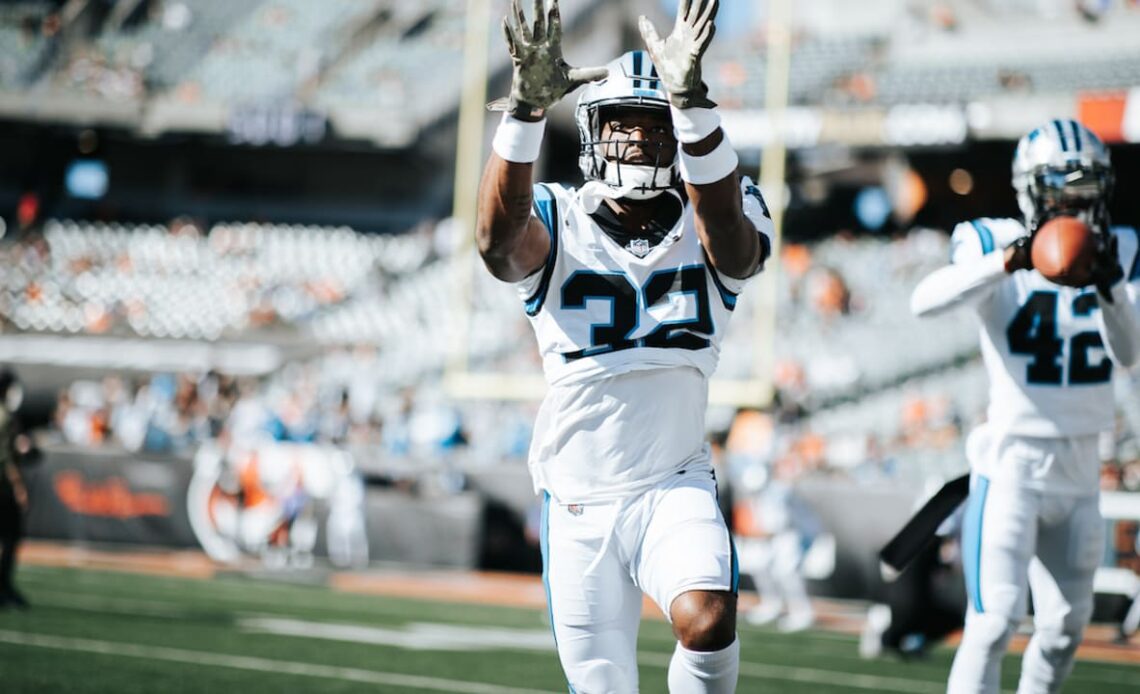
{"points": [[765, 248], [972, 542], [727, 297], [735, 566], [546, 207], [985, 236], [544, 548]]}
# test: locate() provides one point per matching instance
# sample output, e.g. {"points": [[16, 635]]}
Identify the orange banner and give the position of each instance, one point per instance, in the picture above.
{"points": [[110, 498], [1103, 113]]}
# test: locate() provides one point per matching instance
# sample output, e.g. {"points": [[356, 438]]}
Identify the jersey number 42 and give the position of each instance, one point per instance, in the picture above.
{"points": [[1033, 332]]}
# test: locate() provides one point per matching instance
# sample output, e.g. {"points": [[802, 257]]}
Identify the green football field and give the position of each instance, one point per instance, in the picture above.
{"points": [[102, 631]]}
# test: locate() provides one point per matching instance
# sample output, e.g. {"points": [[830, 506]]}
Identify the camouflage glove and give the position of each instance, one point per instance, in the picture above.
{"points": [[1106, 270], [678, 57], [541, 75]]}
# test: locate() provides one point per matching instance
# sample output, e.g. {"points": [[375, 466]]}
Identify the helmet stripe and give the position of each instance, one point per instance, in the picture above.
{"points": [[1076, 134], [637, 69], [1061, 136]]}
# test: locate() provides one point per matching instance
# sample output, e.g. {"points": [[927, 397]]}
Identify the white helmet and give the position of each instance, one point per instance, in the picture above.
{"points": [[632, 83], [1062, 168]]}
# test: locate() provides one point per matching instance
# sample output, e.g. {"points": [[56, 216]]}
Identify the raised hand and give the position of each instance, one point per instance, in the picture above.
{"points": [[678, 56], [541, 75]]}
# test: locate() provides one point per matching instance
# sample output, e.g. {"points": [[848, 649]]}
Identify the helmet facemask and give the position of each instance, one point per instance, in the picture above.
{"points": [[640, 165], [1063, 169], [1079, 190], [631, 92]]}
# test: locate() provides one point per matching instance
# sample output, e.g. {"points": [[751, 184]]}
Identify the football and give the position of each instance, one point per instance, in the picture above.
{"points": [[1063, 250]]}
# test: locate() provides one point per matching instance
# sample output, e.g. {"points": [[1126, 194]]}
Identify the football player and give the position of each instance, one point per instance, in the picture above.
{"points": [[629, 282], [1032, 515]]}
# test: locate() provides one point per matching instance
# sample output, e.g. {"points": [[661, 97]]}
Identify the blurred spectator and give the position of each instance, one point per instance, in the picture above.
{"points": [[774, 527], [828, 293], [13, 493]]}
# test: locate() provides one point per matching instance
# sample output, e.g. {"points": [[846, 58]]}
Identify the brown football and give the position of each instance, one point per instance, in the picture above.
{"points": [[1063, 250]]}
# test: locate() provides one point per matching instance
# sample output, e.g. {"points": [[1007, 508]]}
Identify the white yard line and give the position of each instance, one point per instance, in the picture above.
{"points": [[280, 667]]}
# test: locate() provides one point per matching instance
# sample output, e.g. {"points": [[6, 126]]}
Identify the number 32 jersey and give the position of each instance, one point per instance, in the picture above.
{"points": [[629, 336], [1050, 374]]}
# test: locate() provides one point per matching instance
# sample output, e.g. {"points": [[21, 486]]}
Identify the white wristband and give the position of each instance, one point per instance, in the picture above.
{"points": [[694, 124], [517, 140], [710, 168]]}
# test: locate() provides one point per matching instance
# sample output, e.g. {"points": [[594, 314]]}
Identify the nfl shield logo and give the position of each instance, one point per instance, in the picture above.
{"points": [[575, 509], [639, 247]]}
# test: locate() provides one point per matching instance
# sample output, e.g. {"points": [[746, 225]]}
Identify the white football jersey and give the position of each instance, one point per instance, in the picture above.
{"points": [[1049, 372], [629, 337]]}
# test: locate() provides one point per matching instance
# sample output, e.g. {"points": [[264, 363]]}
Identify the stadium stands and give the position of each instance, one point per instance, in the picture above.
{"points": [[361, 64], [385, 309], [25, 38], [176, 282]]}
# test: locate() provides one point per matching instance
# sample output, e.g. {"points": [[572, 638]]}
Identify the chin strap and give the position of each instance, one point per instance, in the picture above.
{"points": [[591, 194], [647, 182]]}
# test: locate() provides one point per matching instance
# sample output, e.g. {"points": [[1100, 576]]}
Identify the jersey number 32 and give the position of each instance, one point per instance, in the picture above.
{"points": [[626, 302]]}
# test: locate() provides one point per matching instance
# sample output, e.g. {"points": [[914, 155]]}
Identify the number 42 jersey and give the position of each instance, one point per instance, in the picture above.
{"points": [[1050, 374], [629, 336]]}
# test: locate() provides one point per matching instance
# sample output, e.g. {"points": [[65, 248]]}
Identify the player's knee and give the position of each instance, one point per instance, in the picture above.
{"points": [[1063, 635], [704, 620], [989, 630]]}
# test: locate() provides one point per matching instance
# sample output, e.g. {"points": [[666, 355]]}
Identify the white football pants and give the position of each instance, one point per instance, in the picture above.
{"points": [[1016, 535], [598, 558]]}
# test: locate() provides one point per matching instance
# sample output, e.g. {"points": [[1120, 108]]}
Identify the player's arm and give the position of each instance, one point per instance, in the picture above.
{"points": [[731, 239], [708, 162], [973, 273], [1119, 296], [512, 242]]}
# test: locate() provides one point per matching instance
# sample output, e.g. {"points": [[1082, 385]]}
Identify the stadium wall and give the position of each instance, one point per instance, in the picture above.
{"points": [[115, 497]]}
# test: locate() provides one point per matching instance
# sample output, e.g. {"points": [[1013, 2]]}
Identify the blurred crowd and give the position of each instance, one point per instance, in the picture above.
{"points": [[322, 401], [184, 280], [843, 402]]}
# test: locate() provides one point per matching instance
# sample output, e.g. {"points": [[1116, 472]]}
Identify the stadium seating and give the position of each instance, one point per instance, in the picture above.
{"points": [[354, 60], [23, 44], [154, 281]]}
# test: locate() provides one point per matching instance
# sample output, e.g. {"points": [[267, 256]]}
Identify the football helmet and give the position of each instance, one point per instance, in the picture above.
{"points": [[632, 83], [1063, 168]]}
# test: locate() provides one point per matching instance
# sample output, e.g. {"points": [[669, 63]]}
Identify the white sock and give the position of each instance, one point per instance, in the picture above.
{"points": [[694, 672]]}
